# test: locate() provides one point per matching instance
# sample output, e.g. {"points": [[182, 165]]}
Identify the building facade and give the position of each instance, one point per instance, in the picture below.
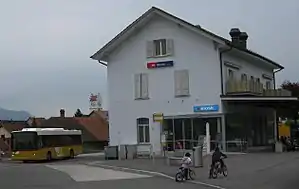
{"points": [[162, 64]]}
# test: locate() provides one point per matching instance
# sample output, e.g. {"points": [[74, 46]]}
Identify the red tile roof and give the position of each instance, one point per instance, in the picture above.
{"points": [[38, 120], [10, 126], [96, 125], [94, 128]]}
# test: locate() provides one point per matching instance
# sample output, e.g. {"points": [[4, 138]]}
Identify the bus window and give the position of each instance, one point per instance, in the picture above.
{"points": [[24, 141]]}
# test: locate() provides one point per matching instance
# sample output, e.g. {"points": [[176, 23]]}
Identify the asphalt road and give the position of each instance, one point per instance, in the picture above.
{"points": [[77, 174], [71, 174]]}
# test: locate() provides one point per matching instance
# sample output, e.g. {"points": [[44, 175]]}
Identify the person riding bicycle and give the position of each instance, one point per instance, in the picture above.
{"points": [[216, 157], [186, 162]]}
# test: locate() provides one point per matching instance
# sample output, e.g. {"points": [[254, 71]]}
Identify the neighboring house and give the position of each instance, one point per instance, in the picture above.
{"points": [[103, 113], [6, 127], [35, 121], [163, 64], [94, 128]]}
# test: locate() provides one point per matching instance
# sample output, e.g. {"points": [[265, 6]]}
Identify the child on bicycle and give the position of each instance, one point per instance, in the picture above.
{"points": [[186, 162], [216, 157]]}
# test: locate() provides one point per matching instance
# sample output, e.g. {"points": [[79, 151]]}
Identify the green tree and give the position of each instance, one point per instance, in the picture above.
{"points": [[292, 111], [78, 113]]}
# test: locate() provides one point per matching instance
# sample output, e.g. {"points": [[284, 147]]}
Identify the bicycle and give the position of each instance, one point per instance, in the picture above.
{"points": [[180, 175], [216, 170]]}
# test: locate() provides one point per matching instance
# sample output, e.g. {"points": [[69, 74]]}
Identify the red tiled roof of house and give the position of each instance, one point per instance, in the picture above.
{"points": [[38, 120], [93, 128], [96, 125], [10, 126], [103, 113]]}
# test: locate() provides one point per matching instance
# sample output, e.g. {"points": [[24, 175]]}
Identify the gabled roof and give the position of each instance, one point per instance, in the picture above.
{"points": [[139, 23], [10, 126], [93, 128], [103, 113], [38, 121]]}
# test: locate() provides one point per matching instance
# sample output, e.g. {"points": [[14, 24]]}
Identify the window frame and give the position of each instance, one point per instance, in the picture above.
{"points": [[244, 77], [162, 47], [268, 84], [159, 48], [143, 123]]}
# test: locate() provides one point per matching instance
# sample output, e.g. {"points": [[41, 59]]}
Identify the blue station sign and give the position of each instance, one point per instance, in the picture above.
{"points": [[206, 108]]}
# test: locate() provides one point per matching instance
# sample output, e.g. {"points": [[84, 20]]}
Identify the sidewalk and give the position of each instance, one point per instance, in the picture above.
{"points": [[244, 170]]}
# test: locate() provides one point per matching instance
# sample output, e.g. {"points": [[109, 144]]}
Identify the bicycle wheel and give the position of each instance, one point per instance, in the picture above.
{"points": [[224, 171], [192, 174], [179, 177], [215, 173]]}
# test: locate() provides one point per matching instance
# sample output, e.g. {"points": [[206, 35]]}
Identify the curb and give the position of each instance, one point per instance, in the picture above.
{"points": [[152, 173]]}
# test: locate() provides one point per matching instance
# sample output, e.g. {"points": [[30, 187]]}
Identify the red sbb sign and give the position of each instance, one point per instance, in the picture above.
{"points": [[152, 65]]}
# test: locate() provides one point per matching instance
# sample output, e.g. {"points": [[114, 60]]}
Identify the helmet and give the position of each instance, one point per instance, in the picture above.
{"points": [[188, 154]]}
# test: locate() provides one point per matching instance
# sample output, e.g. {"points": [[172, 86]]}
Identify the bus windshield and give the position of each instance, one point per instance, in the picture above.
{"points": [[24, 141]]}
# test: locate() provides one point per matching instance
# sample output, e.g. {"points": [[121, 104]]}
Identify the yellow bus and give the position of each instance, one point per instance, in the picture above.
{"points": [[33, 144]]}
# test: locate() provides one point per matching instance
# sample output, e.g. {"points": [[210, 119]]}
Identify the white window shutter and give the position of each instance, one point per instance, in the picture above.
{"points": [[137, 85], [177, 83], [185, 83], [181, 80], [144, 85], [150, 49], [169, 47]]}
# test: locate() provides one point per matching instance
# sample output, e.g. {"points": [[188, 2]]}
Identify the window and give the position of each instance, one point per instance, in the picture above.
{"points": [[244, 77], [143, 130], [159, 47], [181, 82], [141, 86], [258, 80], [251, 84], [60, 140], [268, 84], [230, 74], [24, 141]]}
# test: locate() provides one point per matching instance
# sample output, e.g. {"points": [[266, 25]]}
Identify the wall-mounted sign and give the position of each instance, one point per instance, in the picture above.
{"points": [[206, 108], [158, 117], [152, 65]]}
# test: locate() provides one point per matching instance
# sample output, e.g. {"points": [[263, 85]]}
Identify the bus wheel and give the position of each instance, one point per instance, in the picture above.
{"points": [[72, 154], [49, 156]]}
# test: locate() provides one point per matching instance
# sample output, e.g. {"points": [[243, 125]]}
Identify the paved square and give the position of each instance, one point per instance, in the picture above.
{"points": [[81, 173]]}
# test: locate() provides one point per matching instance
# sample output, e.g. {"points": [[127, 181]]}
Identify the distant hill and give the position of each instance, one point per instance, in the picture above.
{"points": [[13, 115]]}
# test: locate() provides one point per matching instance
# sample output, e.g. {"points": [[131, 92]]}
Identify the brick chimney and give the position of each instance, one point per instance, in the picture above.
{"points": [[62, 113], [243, 40], [235, 34], [239, 39]]}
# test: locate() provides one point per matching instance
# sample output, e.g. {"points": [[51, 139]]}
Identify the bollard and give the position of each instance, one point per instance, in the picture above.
{"points": [[197, 156]]}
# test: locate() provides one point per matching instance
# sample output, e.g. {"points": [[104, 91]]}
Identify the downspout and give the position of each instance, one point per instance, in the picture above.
{"points": [[222, 93], [274, 83], [221, 67]]}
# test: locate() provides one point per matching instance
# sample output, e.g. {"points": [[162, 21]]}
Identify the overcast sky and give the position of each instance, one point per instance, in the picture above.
{"points": [[45, 45]]}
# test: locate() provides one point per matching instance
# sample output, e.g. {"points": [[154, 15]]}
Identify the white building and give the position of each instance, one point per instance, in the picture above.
{"points": [[163, 64]]}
